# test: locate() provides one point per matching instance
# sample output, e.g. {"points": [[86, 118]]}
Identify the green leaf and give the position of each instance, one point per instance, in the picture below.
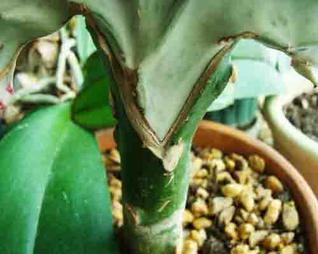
{"points": [[84, 42], [53, 194], [91, 108], [258, 70]]}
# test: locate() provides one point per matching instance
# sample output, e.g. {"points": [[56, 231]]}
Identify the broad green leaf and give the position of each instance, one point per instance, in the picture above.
{"points": [[91, 109], [84, 42], [53, 196]]}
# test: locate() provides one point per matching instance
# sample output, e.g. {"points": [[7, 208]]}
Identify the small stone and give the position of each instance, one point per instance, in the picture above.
{"points": [[196, 165], [287, 238], [271, 242], [232, 190], [290, 216], [229, 164], [256, 237], [199, 236], [202, 193], [216, 165], [245, 230], [187, 217], [242, 176], [115, 156], [199, 208], [190, 247], [252, 219], [240, 161], [231, 231], [264, 203], [273, 212], [290, 249], [274, 184], [246, 198], [202, 173], [225, 178], [202, 223], [240, 249], [227, 215], [256, 163], [216, 153], [219, 204]]}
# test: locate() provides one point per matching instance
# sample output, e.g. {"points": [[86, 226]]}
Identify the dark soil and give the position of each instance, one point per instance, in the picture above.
{"points": [[302, 112]]}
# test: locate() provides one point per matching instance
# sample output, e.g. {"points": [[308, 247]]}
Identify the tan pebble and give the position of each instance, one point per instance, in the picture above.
{"points": [[246, 198], [238, 219], [244, 214], [289, 249], [224, 177], [256, 163], [114, 155], [231, 231], [202, 193], [190, 247], [245, 230], [229, 164], [227, 215], [199, 208], [274, 184], [187, 217], [272, 241], [232, 190], [219, 204], [240, 249], [242, 176], [256, 237], [261, 223], [240, 161], [273, 211], [199, 236], [202, 173], [252, 219], [287, 237], [202, 223], [290, 216], [196, 165], [216, 153], [217, 165], [261, 192], [114, 182], [264, 203]]}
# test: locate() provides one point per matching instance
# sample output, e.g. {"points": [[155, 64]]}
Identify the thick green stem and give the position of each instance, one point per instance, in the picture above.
{"points": [[155, 187], [154, 198]]}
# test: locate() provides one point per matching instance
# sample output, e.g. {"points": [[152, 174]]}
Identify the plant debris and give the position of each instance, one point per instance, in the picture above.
{"points": [[233, 206]]}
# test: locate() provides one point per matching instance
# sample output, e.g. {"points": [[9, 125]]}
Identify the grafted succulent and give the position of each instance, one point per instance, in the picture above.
{"points": [[162, 53]]}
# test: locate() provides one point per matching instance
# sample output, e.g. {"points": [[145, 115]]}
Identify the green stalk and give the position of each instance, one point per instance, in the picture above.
{"points": [[154, 197]]}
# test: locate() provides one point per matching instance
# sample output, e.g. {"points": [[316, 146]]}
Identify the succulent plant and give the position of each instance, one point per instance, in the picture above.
{"points": [[160, 95]]}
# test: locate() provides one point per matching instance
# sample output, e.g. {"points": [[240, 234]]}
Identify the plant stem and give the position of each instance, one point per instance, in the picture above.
{"points": [[154, 194]]}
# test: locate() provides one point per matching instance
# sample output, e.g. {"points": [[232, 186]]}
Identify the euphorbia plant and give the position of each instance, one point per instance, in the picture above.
{"points": [[161, 54]]}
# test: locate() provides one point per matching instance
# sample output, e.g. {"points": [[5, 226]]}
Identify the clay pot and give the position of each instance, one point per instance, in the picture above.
{"points": [[230, 140]]}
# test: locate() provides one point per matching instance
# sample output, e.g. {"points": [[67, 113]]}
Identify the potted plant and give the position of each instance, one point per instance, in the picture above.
{"points": [[257, 74], [304, 154], [158, 97]]}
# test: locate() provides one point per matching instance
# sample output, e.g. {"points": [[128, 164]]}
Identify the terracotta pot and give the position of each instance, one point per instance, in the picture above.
{"points": [[230, 140]]}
